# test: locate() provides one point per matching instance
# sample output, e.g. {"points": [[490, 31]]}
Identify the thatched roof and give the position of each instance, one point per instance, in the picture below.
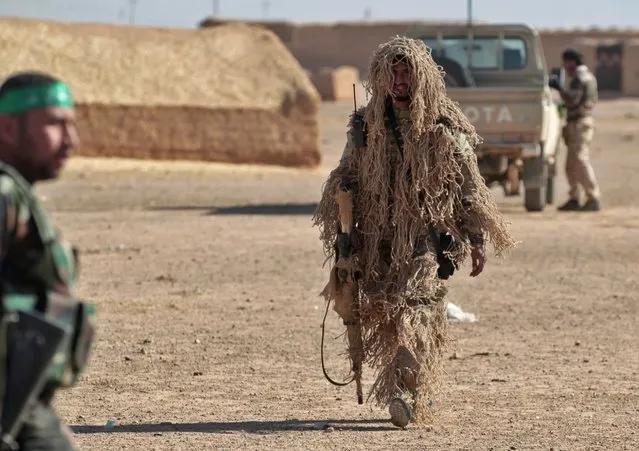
{"points": [[234, 65]]}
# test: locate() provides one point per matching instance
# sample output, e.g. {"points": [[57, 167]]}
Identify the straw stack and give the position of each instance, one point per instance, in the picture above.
{"points": [[232, 93]]}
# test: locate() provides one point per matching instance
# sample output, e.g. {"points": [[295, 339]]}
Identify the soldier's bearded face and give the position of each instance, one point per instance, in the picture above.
{"points": [[401, 82], [569, 67], [47, 137]]}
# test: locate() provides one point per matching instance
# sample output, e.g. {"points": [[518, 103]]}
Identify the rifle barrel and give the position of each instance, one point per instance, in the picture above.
{"points": [[354, 98]]}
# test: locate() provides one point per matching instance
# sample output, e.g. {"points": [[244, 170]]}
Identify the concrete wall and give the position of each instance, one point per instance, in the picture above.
{"points": [[608, 52]]}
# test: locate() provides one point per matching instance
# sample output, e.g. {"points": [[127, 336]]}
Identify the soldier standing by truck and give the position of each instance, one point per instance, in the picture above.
{"points": [[45, 332], [579, 98]]}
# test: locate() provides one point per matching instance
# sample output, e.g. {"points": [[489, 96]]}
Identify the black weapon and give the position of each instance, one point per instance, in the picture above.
{"points": [[32, 342], [359, 128], [343, 287]]}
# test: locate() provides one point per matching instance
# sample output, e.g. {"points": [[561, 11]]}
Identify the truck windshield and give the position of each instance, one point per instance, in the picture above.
{"points": [[485, 54]]}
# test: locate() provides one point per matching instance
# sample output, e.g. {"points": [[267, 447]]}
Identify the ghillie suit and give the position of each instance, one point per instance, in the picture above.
{"points": [[403, 199]]}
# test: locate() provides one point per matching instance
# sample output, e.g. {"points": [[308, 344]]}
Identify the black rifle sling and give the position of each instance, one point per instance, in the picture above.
{"points": [[392, 121]]}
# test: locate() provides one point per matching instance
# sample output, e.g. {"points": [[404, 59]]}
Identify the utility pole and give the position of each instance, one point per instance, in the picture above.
{"points": [[266, 7], [132, 6], [216, 8], [469, 24], [368, 12]]}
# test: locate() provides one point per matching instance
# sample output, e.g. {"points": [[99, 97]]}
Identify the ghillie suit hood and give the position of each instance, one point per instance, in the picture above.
{"points": [[434, 181]]}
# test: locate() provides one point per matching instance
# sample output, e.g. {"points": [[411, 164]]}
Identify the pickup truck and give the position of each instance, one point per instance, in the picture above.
{"points": [[498, 75]]}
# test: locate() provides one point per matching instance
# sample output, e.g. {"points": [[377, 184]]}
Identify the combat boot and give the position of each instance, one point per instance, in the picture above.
{"points": [[571, 205], [401, 412], [407, 366], [591, 205]]}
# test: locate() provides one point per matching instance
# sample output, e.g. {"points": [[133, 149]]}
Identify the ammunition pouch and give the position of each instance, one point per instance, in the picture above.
{"points": [[446, 266]]}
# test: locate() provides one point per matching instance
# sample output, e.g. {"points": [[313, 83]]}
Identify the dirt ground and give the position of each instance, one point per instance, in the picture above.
{"points": [[207, 281]]}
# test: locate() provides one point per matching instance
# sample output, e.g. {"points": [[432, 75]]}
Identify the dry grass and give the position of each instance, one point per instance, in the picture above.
{"points": [[230, 66]]}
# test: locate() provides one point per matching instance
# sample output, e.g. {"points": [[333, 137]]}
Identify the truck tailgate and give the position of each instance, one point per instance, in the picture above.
{"points": [[498, 111]]}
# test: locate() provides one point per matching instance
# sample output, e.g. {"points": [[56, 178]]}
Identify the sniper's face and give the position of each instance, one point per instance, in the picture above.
{"points": [[401, 82]]}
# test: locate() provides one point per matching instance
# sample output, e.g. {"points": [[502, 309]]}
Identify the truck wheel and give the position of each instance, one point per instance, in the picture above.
{"points": [[535, 184], [550, 190], [535, 198]]}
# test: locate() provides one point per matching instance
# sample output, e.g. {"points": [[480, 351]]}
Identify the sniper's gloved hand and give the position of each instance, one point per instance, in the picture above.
{"points": [[554, 83], [478, 257]]}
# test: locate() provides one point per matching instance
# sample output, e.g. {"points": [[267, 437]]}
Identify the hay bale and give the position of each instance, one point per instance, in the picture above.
{"points": [[232, 93], [336, 84], [283, 30]]}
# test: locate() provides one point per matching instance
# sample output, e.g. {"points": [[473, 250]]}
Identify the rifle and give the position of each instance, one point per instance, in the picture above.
{"points": [[30, 343], [343, 287]]}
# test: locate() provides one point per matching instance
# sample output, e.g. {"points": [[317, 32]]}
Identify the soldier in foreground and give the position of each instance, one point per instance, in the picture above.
{"points": [[579, 99], [46, 330], [405, 207]]}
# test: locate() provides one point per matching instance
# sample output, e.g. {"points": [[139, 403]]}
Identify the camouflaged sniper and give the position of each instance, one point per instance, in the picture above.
{"points": [[399, 197]]}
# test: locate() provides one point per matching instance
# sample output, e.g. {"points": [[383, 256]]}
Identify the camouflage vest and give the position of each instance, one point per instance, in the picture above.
{"points": [[42, 278]]}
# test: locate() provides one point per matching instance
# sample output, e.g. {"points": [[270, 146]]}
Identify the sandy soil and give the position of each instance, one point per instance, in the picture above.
{"points": [[207, 280]]}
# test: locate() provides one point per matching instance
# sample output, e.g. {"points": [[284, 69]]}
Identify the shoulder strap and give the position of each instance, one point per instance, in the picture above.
{"points": [[392, 122]]}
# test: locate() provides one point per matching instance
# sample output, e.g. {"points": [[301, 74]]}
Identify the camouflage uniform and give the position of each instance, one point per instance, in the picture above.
{"points": [[36, 262], [410, 200], [579, 99], [406, 364], [472, 229]]}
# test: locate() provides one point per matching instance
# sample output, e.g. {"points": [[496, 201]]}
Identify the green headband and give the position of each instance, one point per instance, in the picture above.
{"points": [[28, 98]]}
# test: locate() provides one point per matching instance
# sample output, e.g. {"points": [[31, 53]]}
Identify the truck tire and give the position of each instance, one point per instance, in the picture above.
{"points": [[550, 190], [535, 183], [535, 198]]}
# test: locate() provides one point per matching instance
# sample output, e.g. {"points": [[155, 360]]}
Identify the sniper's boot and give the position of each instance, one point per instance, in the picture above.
{"points": [[407, 368]]}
